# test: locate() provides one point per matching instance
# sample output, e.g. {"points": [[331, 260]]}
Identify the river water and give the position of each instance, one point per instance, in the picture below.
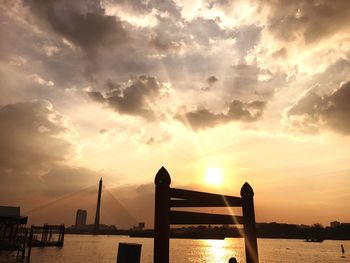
{"points": [[89, 248]]}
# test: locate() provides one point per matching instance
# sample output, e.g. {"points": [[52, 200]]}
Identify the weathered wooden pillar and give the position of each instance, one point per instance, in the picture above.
{"points": [[24, 245], [30, 243], [251, 246], [11, 238], [62, 231], [43, 233], [161, 216], [129, 253], [16, 231]]}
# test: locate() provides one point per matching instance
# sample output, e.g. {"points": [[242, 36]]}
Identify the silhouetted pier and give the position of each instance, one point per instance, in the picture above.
{"points": [[48, 235]]}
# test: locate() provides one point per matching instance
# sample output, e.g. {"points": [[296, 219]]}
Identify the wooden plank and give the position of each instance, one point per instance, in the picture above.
{"points": [[48, 226], [206, 203], [201, 199], [193, 218]]}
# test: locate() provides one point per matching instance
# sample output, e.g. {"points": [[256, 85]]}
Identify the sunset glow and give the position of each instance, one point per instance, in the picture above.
{"points": [[218, 92], [214, 176]]}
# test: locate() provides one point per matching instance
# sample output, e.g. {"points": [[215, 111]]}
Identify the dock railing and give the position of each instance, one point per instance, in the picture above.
{"points": [[167, 198]]}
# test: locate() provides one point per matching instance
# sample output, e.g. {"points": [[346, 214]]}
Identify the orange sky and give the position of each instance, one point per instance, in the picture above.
{"points": [[259, 90]]}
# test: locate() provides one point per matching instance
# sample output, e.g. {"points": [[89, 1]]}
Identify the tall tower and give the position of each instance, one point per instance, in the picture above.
{"points": [[97, 217]]}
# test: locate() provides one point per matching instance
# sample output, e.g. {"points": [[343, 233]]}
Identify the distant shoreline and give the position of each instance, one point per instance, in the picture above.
{"points": [[264, 230]]}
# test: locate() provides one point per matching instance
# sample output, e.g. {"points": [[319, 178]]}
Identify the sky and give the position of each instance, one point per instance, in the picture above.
{"points": [[218, 92]]}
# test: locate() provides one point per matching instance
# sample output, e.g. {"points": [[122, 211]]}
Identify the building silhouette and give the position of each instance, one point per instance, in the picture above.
{"points": [[80, 220], [335, 224], [10, 223]]}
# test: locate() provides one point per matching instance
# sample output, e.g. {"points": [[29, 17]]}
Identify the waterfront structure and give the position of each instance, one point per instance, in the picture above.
{"points": [[50, 235], [97, 216], [10, 223], [80, 220]]}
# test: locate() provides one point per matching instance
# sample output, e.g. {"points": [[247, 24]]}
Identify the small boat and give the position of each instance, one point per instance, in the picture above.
{"points": [[342, 251]]}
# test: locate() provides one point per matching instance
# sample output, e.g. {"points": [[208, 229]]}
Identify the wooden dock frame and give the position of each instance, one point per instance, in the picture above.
{"points": [[167, 197], [45, 231]]}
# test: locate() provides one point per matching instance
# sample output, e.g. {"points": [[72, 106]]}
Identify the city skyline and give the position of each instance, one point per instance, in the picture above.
{"points": [[218, 92]]}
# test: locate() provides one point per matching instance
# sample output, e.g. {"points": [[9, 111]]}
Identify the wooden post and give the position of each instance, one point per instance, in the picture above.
{"points": [[16, 231], [59, 234], [30, 242], [24, 245], [62, 230], [43, 232], [11, 233], [161, 217], [251, 246], [129, 253]]}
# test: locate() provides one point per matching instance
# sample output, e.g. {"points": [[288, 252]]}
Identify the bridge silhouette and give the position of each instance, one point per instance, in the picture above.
{"points": [[64, 208]]}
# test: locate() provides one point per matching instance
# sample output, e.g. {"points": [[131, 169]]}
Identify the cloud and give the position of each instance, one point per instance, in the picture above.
{"points": [[84, 23], [312, 111], [300, 36], [212, 80], [163, 138], [312, 20], [136, 98], [38, 79], [35, 142], [166, 45], [63, 179], [32, 137], [245, 80], [237, 111]]}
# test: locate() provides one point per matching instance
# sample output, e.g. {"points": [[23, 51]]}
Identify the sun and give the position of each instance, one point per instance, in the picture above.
{"points": [[214, 176]]}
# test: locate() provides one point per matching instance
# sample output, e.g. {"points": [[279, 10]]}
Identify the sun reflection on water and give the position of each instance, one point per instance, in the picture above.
{"points": [[221, 250]]}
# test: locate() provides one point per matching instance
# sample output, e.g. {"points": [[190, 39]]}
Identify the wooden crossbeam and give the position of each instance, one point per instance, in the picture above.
{"points": [[205, 203], [189, 198], [193, 218], [51, 227]]}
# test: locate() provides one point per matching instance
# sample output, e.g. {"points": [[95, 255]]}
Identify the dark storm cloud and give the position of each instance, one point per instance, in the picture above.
{"points": [[84, 23], [237, 111], [134, 99], [313, 111], [313, 20]]}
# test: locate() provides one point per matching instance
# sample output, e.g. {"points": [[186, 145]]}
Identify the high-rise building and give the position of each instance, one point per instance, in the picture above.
{"points": [[80, 220]]}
